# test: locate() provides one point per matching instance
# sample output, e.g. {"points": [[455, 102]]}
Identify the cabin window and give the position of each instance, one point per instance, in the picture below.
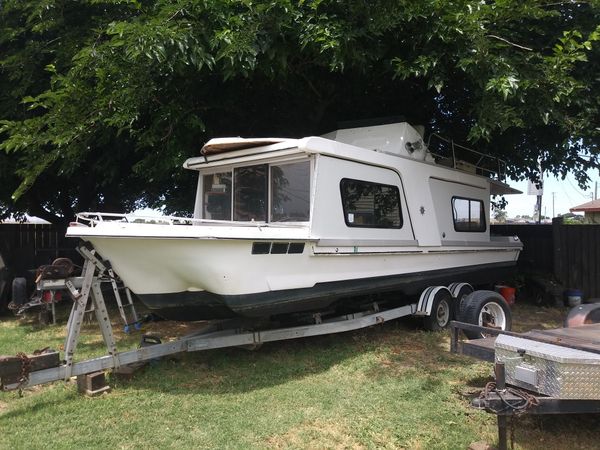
{"points": [[290, 192], [468, 214], [245, 193], [370, 205], [250, 193], [217, 196]]}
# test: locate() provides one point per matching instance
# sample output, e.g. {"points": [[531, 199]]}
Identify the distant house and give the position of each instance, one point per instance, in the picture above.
{"points": [[591, 211]]}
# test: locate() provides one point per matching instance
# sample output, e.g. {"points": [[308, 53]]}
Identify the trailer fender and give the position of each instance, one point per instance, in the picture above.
{"points": [[455, 288], [425, 303], [583, 315], [459, 292]]}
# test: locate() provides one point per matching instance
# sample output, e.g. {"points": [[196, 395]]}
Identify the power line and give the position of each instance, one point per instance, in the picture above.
{"points": [[576, 189]]}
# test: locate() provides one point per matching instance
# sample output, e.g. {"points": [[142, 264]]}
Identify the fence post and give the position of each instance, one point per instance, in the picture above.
{"points": [[557, 223]]}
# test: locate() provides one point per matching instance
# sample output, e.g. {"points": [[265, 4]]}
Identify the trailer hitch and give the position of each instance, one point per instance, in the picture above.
{"points": [[15, 370]]}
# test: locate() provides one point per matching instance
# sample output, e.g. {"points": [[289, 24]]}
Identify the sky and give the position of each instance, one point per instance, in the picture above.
{"points": [[566, 194]]}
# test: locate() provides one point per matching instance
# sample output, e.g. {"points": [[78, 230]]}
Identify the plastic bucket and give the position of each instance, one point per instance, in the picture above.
{"points": [[509, 293], [574, 297]]}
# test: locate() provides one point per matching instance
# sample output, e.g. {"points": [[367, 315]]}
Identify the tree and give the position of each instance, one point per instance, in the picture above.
{"points": [[500, 215], [102, 100]]}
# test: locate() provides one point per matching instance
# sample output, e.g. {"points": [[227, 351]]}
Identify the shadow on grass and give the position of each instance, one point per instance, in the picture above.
{"points": [[236, 370], [552, 431], [395, 349], [32, 408]]}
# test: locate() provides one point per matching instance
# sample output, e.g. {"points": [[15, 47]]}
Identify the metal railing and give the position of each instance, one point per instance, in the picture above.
{"points": [[483, 164], [92, 219]]}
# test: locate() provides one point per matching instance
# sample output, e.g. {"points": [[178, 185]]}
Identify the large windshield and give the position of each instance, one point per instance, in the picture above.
{"points": [[266, 192]]}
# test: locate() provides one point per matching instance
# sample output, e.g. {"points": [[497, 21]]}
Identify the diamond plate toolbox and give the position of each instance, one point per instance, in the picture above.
{"points": [[549, 369]]}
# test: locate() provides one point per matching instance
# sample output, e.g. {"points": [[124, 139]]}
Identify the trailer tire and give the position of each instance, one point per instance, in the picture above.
{"points": [[441, 312], [19, 291], [460, 303], [488, 309]]}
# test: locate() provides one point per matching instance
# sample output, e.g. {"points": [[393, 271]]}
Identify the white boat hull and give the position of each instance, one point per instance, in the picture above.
{"points": [[221, 277]]}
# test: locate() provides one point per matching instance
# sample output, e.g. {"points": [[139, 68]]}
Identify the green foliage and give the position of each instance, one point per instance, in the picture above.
{"points": [[102, 100], [500, 215]]}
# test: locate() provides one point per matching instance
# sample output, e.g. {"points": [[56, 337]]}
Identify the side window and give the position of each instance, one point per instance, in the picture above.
{"points": [[245, 193], [468, 214], [290, 192], [370, 205], [250, 193], [217, 196]]}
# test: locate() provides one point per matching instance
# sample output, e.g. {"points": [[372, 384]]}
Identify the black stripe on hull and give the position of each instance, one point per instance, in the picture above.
{"points": [[190, 306]]}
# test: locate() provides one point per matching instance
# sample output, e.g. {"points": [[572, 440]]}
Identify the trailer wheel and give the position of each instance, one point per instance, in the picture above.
{"points": [[462, 294], [19, 291], [441, 312], [486, 309]]}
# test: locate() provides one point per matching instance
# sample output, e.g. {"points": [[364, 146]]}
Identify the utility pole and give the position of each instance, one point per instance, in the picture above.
{"points": [[553, 197], [595, 190]]}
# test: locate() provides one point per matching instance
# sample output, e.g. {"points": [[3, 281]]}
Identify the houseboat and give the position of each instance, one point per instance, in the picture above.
{"points": [[286, 226]]}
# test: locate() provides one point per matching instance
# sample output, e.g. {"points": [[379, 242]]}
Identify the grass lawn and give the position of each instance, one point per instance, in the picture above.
{"points": [[391, 386]]}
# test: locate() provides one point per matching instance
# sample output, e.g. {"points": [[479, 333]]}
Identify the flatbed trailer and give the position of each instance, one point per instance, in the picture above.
{"points": [[539, 372]]}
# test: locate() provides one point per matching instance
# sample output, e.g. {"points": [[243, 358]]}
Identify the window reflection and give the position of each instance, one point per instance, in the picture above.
{"points": [[248, 188], [217, 196], [250, 193], [468, 214], [370, 205], [290, 187]]}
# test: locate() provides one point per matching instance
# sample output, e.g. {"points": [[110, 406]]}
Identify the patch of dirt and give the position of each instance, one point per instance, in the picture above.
{"points": [[420, 351], [205, 380], [572, 431], [528, 317], [167, 329], [316, 434], [3, 407]]}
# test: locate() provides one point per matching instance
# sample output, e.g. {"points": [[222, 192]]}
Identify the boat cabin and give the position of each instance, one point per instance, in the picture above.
{"points": [[377, 186]]}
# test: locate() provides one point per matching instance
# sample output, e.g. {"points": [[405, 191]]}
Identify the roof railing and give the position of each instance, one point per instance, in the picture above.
{"points": [[480, 163]]}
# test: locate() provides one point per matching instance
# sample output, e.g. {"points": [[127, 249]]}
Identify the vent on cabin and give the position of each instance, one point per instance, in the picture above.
{"points": [[277, 248]]}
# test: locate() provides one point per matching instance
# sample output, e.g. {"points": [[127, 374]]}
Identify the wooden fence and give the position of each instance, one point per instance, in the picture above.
{"points": [[569, 252], [537, 241], [28, 246]]}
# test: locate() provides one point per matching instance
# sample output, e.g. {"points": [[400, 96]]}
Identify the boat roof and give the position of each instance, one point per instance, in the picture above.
{"points": [[228, 144], [371, 138], [500, 188]]}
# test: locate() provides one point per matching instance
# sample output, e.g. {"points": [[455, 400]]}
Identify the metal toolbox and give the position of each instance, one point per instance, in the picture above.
{"points": [[549, 369]]}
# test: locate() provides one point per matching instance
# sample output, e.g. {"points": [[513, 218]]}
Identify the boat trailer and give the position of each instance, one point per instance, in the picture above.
{"points": [[538, 372], [22, 371]]}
